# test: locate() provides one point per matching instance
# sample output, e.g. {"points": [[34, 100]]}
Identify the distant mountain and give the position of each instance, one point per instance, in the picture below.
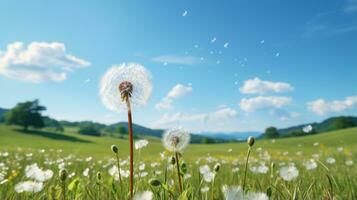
{"points": [[330, 124], [140, 130], [232, 135]]}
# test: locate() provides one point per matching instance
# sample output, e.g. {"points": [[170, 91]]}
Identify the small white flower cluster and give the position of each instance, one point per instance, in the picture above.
{"points": [[260, 169], [236, 192], [289, 173], [141, 144], [207, 174], [37, 175], [146, 195], [310, 164]]}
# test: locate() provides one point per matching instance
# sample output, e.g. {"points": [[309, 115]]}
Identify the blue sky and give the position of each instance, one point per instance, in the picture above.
{"points": [[228, 65]]}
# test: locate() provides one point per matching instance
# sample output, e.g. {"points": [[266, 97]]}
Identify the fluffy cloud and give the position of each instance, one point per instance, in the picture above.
{"points": [[322, 107], [171, 59], [258, 86], [38, 62], [177, 91], [263, 102], [220, 114]]}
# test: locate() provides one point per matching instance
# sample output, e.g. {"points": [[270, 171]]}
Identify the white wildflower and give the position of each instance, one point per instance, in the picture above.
{"points": [[86, 172], [28, 186], [288, 173], [141, 144], [35, 173], [330, 160], [310, 164], [205, 189], [349, 162], [147, 195]]}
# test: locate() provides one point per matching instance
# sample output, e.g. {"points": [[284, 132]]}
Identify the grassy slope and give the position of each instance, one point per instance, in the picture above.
{"points": [[70, 142]]}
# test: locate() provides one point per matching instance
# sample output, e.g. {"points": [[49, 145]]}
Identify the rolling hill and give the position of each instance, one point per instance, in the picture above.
{"points": [[330, 124], [71, 142]]}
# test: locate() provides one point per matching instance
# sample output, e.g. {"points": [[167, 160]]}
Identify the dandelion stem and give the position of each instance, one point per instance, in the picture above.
{"points": [[64, 190], [118, 165], [130, 126], [178, 171], [246, 168]]}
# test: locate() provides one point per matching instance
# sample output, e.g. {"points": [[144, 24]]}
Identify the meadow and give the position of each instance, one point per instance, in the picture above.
{"points": [[320, 166]]}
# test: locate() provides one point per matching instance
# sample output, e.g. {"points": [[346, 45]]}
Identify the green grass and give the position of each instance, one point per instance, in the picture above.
{"points": [[72, 142], [23, 150]]}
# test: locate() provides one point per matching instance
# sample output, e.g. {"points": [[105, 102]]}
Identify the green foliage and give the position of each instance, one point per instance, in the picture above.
{"points": [[337, 182], [342, 122], [26, 114], [271, 132], [53, 124], [89, 129], [121, 130]]}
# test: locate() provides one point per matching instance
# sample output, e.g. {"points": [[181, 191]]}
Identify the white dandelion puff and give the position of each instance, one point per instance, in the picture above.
{"points": [[288, 173], [232, 192], [349, 162], [213, 39], [205, 189], [310, 164], [28, 186], [226, 45], [330, 160], [176, 139], [37, 174], [147, 195], [135, 77], [86, 172], [141, 144]]}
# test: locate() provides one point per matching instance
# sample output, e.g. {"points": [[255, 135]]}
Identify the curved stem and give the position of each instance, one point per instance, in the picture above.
{"points": [[178, 171], [246, 167], [64, 190], [130, 126]]}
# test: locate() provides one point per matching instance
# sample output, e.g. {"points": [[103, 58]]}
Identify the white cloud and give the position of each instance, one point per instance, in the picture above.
{"points": [[38, 62], [258, 86], [177, 91], [172, 59], [322, 107], [263, 102], [215, 116]]}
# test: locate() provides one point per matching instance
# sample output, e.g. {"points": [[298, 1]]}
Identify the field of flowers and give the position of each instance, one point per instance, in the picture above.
{"points": [[325, 173]]}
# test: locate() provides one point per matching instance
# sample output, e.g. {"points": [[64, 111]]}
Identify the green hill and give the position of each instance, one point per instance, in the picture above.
{"points": [[71, 142], [330, 124]]}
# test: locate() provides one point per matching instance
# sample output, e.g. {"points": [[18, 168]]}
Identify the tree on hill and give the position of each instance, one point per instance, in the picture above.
{"points": [[26, 114], [89, 129], [342, 122], [54, 124], [271, 132], [121, 130]]}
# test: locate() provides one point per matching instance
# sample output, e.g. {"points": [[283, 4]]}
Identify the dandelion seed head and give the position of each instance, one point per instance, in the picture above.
{"points": [[146, 195], [176, 139], [289, 173], [123, 82], [29, 186]]}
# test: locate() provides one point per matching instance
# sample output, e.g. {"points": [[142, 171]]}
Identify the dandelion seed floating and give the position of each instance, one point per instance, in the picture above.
{"points": [[176, 140], [121, 88]]}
